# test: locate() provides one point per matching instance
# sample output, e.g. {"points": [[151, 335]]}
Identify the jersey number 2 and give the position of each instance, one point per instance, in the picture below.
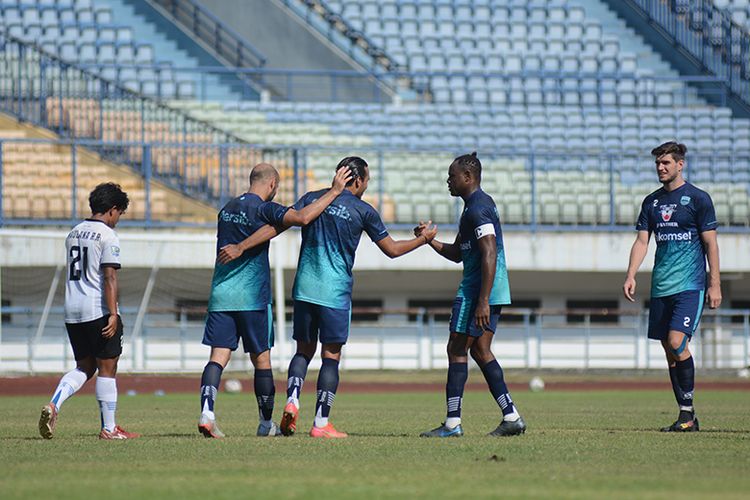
{"points": [[81, 255]]}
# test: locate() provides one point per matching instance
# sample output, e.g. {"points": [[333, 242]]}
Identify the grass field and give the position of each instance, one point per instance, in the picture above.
{"points": [[579, 445]]}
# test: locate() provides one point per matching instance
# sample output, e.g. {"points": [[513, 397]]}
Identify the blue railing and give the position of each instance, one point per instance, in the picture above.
{"points": [[534, 191], [599, 89], [226, 42], [356, 44], [41, 89], [708, 34]]}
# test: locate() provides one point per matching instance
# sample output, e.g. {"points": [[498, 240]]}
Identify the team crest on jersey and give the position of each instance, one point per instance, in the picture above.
{"points": [[684, 200], [667, 211]]}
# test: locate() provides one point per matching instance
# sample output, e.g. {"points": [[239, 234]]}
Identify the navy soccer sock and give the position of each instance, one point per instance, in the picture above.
{"points": [[458, 373], [296, 377], [493, 374], [685, 375], [328, 382], [264, 393], [210, 386], [675, 384]]}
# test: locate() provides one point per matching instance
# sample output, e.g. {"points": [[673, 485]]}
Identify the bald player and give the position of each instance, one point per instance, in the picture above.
{"points": [[240, 301]]}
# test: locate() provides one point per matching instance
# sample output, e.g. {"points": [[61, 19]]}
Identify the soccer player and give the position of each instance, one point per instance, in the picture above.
{"points": [[240, 301], [683, 219], [323, 289], [94, 327], [481, 294]]}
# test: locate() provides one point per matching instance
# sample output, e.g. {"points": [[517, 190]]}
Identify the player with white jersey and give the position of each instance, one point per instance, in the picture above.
{"points": [[94, 327]]}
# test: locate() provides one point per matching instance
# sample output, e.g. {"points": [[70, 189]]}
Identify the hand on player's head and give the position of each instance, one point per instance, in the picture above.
{"points": [[340, 180]]}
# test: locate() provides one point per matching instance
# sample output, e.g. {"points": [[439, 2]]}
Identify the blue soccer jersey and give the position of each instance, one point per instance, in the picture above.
{"points": [[677, 219], [480, 219], [244, 284], [324, 271]]}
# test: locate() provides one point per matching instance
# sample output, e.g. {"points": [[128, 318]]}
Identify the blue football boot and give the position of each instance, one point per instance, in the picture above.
{"points": [[443, 432]]}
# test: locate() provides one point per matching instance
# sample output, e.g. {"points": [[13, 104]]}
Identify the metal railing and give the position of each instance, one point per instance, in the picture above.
{"points": [[600, 89], [360, 48], [534, 191], [205, 26], [41, 89], [708, 35], [526, 338]]}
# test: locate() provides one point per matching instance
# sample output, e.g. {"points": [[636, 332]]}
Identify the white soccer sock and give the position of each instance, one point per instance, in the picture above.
{"points": [[106, 394], [320, 420], [512, 417], [293, 400], [452, 422], [68, 385]]}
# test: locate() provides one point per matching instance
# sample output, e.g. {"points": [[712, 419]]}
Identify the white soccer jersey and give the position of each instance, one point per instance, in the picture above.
{"points": [[89, 247]]}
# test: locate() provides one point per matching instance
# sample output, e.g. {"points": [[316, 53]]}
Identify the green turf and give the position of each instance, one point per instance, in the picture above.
{"points": [[579, 445]]}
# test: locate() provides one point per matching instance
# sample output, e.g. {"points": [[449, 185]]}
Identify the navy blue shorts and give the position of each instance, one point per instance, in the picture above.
{"points": [[680, 312], [313, 322], [225, 328], [462, 317]]}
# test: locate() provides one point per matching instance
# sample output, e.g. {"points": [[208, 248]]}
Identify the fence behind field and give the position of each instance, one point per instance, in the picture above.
{"points": [[169, 340]]}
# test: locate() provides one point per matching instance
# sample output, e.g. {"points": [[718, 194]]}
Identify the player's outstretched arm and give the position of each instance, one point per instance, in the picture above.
{"points": [[713, 294], [451, 251], [488, 257], [110, 298], [311, 212], [637, 254], [230, 252], [396, 248]]}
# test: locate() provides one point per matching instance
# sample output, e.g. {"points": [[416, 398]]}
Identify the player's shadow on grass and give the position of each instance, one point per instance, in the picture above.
{"points": [[727, 431], [380, 434], [651, 429], [176, 435]]}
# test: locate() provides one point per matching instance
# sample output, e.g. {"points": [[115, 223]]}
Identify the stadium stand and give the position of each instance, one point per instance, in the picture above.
{"points": [[38, 181], [739, 10], [109, 38], [559, 96]]}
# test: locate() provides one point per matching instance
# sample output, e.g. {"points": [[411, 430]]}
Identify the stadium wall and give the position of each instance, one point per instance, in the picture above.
{"points": [[551, 265]]}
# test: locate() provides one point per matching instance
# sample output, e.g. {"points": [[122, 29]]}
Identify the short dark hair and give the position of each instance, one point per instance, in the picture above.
{"points": [[106, 196], [357, 167], [470, 163], [670, 148], [262, 172]]}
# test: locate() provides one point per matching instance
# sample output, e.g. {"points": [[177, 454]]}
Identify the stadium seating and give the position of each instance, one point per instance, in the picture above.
{"points": [[578, 135], [109, 34], [571, 178], [33, 167], [533, 37], [739, 10]]}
